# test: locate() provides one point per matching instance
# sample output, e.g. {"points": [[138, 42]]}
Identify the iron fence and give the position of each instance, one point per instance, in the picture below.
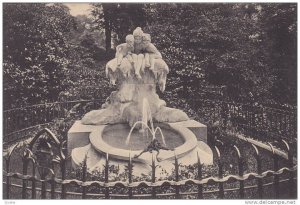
{"points": [[19, 121], [263, 123], [44, 168], [259, 122], [256, 121]]}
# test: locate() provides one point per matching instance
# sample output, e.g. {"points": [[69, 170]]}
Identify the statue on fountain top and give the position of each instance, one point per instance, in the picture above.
{"points": [[125, 105], [138, 39], [151, 53], [138, 57], [125, 50]]}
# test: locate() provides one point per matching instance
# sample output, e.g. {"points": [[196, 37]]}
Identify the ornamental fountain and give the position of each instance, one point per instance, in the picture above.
{"points": [[134, 123]]}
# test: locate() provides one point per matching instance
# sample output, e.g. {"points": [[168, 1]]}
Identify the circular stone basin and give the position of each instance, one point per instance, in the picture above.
{"points": [[184, 137], [116, 135]]}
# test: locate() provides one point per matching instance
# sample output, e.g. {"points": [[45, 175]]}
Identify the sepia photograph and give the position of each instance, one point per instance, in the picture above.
{"points": [[190, 101]]}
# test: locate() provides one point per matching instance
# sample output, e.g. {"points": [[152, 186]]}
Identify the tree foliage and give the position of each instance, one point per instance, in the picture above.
{"points": [[251, 49], [279, 23], [215, 44], [87, 62], [119, 18], [35, 52]]}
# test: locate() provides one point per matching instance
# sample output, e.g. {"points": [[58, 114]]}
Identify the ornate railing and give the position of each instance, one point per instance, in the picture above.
{"points": [[44, 162], [18, 122], [259, 122], [256, 121]]}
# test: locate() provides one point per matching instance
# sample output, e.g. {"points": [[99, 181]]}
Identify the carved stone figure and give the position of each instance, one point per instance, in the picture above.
{"points": [[150, 51], [125, 105], [136, 103], [138, 57], [125, 50]]}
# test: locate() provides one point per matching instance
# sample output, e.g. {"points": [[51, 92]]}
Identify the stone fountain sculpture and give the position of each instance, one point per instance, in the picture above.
{"points": [[137, 80], [137, 69]]}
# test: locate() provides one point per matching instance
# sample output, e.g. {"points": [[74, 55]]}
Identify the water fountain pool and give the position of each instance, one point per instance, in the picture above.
{"points": [[110, 140], [116, 135], [135, 124]]}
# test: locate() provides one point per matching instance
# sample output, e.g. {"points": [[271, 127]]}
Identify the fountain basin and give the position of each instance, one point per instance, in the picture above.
{"points": [[188, 138], [116, 135], [95, 148]]}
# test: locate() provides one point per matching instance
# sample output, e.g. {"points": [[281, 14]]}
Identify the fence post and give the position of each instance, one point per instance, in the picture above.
{"points": [[286, 123], [7, 163], [291, 178], [177, 187], [33, 190], [220, 174], [276, 168], [84, 170], [248, 120], [290, 164], [63, 176], [62, 163], [45, 111], [52, 184], [4, 123], [25, 166], [106, 176], [281, 121], [200, 187], [153, 177], [253, 119], [263, 118], [276, 177], [43, 190], [277, 127], [241, 172], [60, 110], [28, 157], [224, 113], [259, 171], [221, 186], [250, 113], [295, 126], [130, 175]]}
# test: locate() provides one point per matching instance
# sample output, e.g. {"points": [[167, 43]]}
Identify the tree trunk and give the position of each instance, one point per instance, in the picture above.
{"points": [[107, 29], [107, 37]]}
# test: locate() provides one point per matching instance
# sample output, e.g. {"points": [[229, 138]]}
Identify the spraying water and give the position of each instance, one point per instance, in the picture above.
{"points": [[146, 117]]}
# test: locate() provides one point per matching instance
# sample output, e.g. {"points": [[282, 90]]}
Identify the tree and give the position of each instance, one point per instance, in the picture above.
{"points": [[279, 23], [121, 19], [216, 44], [35, 52]]}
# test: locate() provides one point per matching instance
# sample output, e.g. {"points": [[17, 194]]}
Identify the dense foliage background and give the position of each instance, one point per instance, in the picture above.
{"points": [[250, 49], [36, 52]]}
